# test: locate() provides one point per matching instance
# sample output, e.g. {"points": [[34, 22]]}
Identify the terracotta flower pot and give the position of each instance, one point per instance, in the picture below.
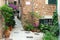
{"points": [[38, 30], [34, 30], [10, 28], [7, 33]]}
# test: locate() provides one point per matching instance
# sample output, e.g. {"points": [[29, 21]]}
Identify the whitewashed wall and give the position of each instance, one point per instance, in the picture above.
{"points": [[58, 6], [59, 14]]}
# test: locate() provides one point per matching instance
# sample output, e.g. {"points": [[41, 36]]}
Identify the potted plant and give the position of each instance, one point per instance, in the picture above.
{"points": [[8, 15], [29, 27], [10, 24], [6, 32]]}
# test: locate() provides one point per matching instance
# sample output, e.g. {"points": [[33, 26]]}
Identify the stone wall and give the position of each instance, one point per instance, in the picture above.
{"points": [[1, 25], [39, 6], [2, 2]]}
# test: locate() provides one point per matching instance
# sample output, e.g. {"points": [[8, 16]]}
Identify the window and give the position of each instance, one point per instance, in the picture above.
{"points": [[46, 21], [15, 2], [41, 21], [50, 2]]}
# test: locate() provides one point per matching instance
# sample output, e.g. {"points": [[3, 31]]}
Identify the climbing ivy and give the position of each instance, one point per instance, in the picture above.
{"points": [[55, 22]]}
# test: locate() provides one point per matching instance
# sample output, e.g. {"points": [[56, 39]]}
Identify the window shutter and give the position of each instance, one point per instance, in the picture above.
{"points": [[52, 2]]}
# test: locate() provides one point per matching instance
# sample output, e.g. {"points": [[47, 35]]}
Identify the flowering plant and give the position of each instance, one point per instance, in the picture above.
{"points": [[13, 6], [35, 24]]}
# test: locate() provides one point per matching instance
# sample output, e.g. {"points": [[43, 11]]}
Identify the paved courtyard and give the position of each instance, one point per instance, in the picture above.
{"points": [[18, 33]]}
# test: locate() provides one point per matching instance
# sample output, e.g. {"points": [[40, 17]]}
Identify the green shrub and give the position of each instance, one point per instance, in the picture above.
{"points": [[8, 15], [43, 27], [54, 30], [6, 28], [29, 27], [49, 36]]}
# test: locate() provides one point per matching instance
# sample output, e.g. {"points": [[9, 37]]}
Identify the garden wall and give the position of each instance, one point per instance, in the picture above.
{"points": [[39, 6], [1, 25], [2, 2]]}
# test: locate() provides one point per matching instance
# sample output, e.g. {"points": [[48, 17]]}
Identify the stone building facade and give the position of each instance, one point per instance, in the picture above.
{"points": [[1, 25], [39, 6], [2, 2]]}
